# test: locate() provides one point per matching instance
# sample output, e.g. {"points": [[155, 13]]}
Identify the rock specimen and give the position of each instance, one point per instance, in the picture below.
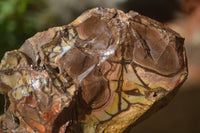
{"points": [[105, 71]]}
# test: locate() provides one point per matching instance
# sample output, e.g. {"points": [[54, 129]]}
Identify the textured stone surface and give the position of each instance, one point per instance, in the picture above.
{"points": [[104, 72]]}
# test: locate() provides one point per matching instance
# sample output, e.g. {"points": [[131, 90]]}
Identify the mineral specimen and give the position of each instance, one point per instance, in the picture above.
{"points": [[105, 71]]}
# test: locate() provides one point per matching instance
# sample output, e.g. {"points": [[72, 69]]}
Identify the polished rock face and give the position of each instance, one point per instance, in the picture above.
{"points": [[104, 72]]}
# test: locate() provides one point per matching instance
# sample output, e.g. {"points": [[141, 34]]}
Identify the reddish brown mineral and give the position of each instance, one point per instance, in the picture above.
{"points": [[100, 74]]}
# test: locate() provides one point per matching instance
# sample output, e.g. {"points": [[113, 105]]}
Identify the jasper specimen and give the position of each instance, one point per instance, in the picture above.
{"points": [[105, 71]]}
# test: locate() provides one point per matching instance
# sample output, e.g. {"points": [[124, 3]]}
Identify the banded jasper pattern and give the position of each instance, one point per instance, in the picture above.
{"points": [[102, 73]]}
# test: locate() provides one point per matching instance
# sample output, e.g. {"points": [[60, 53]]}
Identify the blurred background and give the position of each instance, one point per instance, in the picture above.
{"points": [[21, 19]]}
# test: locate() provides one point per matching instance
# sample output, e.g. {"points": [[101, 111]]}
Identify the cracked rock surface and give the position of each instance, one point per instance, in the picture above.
{"points": [[102, 73]]}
